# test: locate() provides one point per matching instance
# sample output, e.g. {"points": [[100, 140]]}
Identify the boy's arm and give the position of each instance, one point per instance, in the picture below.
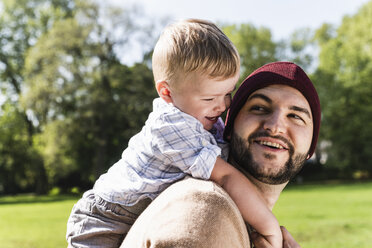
{"points": [[249, 201]]}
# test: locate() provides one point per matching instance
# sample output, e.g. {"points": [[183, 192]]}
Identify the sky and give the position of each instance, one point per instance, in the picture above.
{"points": [[282, 17]]}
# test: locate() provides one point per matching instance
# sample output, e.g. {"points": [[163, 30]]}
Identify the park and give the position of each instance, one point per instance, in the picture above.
{"points": [[69, 103]]}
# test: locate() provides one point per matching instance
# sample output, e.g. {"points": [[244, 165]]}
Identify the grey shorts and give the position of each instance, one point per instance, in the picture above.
{"points": [[95, 222]]}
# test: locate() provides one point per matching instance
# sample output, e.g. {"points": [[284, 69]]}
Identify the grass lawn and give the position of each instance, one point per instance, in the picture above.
{"points": [[316, 215], [34, 222], [328, 215]]}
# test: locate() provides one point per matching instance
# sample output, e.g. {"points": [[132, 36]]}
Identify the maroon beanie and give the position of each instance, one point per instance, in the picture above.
{"points": [[285, 73]]}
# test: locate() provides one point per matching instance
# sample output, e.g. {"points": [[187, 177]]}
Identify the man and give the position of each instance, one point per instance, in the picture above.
{"points": [[273, 126]]}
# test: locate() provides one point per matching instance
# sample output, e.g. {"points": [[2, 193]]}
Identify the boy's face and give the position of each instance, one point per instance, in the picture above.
{"points": [[203, 98]]}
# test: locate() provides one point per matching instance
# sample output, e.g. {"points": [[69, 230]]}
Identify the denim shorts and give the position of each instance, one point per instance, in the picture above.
{"points": [[95, 222]]}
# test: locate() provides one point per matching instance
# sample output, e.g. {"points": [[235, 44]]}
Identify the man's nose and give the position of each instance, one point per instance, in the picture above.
{"points": [[275, 123]]}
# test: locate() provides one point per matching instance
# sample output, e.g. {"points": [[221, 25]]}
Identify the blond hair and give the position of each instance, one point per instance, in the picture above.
{"points": [[194, 46]]}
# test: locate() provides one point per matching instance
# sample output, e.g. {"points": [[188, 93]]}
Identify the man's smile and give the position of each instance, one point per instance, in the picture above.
{"points": [[270, 144], [273, 143]]}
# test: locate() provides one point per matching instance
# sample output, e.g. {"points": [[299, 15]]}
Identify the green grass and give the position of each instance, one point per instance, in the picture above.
{"points": [[34, 222], [328, 215], [316, 215]]}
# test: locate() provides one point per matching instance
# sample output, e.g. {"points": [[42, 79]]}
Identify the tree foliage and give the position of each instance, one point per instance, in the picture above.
{"points": [[21, 23], [81, 95], [69, 104], [71, 89], [344, 79], [18, 161], [255, 46]]}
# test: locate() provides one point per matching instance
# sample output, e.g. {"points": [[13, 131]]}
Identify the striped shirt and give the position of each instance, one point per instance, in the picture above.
{"points": [[171, 145]]}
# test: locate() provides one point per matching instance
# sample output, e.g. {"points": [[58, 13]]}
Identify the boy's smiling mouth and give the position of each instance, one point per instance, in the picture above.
{"points": [[213, 119]]}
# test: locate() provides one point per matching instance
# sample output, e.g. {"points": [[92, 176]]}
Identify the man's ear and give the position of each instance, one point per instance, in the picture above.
{"points": [[163, 90]]}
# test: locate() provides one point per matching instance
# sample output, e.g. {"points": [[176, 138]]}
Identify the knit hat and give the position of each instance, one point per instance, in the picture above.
{"points": [[285, 73]]}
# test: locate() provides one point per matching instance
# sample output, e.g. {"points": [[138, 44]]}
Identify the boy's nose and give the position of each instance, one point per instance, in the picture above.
{"points": [[228, 101], [221, 106]]}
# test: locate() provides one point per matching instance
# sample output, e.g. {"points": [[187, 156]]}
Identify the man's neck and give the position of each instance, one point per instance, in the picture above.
{"points": [[269, 192]]}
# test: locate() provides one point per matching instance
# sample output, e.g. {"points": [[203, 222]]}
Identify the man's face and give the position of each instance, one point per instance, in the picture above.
{"points": [[272, 134]]}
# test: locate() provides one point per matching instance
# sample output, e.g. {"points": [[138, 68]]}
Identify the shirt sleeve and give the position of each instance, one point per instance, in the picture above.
{"points": [[182, 141]]}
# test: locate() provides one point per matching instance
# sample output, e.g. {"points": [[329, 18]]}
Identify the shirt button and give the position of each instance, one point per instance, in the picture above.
{"points": [[204, 143]]}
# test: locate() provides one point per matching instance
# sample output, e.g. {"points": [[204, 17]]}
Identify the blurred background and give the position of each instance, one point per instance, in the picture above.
{"points": [[76, 80]]}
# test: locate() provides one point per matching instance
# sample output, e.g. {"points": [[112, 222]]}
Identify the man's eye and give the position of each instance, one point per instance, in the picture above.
{"points": [[296, 117], [258, 108]]}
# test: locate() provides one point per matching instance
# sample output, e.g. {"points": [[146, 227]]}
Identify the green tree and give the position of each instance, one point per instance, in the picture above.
{"points": [[255, 46], [300, 48], [86, 102], [18, 162], [70, 101], [344, 78], [21, 23]]}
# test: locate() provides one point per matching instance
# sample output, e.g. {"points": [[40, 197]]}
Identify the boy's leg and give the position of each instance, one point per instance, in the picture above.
{"points": [[190, 213], [95, 222]]}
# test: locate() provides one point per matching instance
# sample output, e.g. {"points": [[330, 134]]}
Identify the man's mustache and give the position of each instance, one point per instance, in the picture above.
{"points": [[259, 134]]}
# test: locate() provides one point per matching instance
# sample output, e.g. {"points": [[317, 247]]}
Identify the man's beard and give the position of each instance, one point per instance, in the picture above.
{"points": [[242, 155]]}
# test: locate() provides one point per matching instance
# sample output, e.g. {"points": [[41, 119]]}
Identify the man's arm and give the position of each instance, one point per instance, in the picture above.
{"points": [[249, 201]]}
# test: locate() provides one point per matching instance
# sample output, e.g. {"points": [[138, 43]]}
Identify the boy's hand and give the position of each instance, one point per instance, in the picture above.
{"points": [[288, 240], [260, 241]]}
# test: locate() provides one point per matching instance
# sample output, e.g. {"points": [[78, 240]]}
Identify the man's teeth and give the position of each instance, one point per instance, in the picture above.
{"points": [[267, 143]]}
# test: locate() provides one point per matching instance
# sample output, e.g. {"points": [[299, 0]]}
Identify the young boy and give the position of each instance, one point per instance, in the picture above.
{"points": [[195, 69]]}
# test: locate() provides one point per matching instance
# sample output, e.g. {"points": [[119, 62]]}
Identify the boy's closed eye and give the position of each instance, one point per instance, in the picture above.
{"points": [[208, 99]]}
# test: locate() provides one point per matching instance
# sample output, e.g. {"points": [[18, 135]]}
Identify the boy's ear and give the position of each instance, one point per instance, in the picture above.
{"points": [[163, 90]]}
